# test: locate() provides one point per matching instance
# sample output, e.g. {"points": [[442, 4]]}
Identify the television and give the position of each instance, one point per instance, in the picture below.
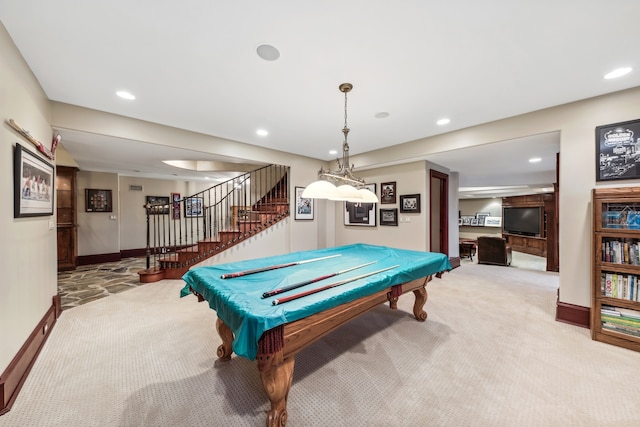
{"points": [[525, 221]]}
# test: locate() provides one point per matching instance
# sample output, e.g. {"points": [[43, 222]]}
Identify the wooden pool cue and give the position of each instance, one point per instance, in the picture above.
{"points": [[273, 267], [308, 282], [323, 288]]}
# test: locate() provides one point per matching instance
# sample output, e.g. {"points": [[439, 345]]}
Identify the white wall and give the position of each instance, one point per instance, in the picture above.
{"points": [[29, 253], [576, 123]]}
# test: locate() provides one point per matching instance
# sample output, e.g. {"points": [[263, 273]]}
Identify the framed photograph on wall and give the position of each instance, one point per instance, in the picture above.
{"points": [[389, 216], [616, 155], [33, 184], [493, 221], [97, 200], [480, 216], [175, 205], [304, 206], [193, 206], [159, 205], [387, 193], [362, 214], [466, 219], [410, 203]]}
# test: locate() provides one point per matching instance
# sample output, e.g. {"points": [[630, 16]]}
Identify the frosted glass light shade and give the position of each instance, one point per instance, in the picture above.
{"points": [[368, 196], [319, 190], [347, 193]]}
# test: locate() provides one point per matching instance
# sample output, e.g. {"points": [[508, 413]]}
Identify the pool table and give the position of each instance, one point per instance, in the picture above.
{"points": [[271, 334]]}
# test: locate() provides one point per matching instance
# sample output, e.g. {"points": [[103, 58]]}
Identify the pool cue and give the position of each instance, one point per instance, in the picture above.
{"points": [[273, 267], [323, 288], [308, 282]]}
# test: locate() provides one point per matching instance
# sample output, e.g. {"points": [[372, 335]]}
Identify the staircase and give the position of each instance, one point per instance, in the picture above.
{"points": [[197, 227]]}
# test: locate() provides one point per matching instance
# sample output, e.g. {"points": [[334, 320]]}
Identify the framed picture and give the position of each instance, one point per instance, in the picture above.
{"points": [[193, 206], [175, 205], [389, 216], [32, 184], [387, 193], [616, 151], [159, 205], [362, 214], [410, 203], [480, 216], [474, 222], [304, 206], [97, 200], [493, 221], [466, 219]]}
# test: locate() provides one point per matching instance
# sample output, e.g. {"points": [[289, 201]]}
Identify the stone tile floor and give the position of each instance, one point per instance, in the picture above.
{"points": [[91, 282]]}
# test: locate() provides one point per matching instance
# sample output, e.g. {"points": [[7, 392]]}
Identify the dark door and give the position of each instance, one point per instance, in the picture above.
{"points": [[439, 212], [66, 212]]}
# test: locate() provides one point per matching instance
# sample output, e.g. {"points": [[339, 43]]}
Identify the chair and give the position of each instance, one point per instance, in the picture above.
{"points": [[493, 250], [467, 249]]}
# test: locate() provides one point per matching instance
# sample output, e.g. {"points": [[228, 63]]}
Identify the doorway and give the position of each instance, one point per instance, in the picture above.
{"points": [[438, 212]]}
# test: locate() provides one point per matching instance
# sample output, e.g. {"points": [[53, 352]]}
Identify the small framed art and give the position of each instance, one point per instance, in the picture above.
{"points": [[387, 193], [389, 216], [32, 184], [159, 205], [304, 206], [193, 206], [97, 200], [410, 203]]}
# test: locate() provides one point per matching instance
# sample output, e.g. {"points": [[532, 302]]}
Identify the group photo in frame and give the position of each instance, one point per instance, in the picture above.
{"points": [[389, 216], [361, 214], [617, 151], [159, 205], [410, 203], [33, 184], [387, 193], [97, 200], [193, 207], [304, 206]]}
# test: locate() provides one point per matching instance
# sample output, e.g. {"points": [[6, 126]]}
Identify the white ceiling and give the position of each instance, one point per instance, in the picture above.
{"points": [[193, 65]]}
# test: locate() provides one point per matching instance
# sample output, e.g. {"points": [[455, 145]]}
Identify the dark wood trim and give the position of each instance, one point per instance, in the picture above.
{"points": [[15, 375], [133, 253], [99, 258], [573, 314]]}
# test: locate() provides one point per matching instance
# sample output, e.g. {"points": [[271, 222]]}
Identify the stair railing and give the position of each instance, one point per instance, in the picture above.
{"points": [[187, 231]]}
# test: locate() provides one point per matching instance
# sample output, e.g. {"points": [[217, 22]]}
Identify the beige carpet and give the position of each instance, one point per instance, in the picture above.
{"points": [[490, 354]]}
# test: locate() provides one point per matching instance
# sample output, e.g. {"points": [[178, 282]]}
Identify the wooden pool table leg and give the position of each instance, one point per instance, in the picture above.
{"points": [[276, 380], [226, 348], [418, 306]]}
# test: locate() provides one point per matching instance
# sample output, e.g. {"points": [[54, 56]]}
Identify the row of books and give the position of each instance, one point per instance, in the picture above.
{"points": [[623, 286], [625, 251], [622, 320]]}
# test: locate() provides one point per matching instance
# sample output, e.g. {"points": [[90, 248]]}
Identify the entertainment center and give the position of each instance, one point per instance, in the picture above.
{"points": [[530, 225]]}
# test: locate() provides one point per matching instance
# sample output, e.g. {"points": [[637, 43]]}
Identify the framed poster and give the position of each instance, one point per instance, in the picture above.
{"points": [[618, 151], [304, 206], [362, 214], [159, 205], [389, 216], [410, 203], [193, 206], [175, 205], [32, 184], [97, 200], [387, 193]]}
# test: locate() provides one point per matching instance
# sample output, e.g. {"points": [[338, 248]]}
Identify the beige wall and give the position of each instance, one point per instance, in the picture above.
{"points": [[29, 253], [470, 207]]}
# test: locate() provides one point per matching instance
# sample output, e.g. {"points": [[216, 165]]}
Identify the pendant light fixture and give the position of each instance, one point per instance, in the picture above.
{"points": [[341, 184]]}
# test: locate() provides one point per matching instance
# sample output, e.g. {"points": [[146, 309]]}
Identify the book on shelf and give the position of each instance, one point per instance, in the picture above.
{"points": [[621, 329], [621, 286]]}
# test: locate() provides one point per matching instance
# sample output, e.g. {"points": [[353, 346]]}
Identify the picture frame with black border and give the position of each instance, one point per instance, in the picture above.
{"points": [[96, 200], [33, 184], [410, 203], [387, 193], [193, 207], [389, 216], [304, 207], [616, 155], [361, 214], [158, 205]]}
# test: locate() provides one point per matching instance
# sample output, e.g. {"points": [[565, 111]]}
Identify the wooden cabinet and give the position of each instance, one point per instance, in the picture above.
{"points": [[67, 226], [615, 307]]}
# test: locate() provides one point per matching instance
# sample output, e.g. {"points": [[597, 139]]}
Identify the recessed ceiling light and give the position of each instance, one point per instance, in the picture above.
{"points": [[125, 95], [333, 152], [267, 52], [443, 122], [618, 73], [382, 115], [262, 132], [535, 160]]}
